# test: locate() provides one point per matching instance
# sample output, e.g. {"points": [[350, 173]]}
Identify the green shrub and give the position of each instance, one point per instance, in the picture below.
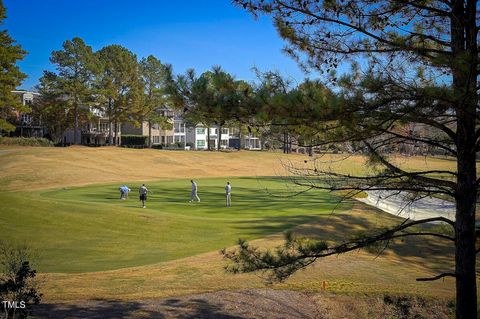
{"points": [[17, 280], [134, 140], [25, 141]]}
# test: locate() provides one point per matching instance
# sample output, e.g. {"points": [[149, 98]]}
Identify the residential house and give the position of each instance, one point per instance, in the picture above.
{"points": [[26, 124], [179, 130], [249, 141], [198, 137], [159, 135]]}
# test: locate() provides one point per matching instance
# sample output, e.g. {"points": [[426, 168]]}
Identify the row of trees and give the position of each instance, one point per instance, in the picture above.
{"points": [[114, 81], [213, 98], [127, 90], [110, 79]]}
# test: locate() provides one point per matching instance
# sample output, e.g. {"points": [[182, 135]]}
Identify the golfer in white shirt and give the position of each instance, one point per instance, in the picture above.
{"points": [[194, 192], [228, 191]]}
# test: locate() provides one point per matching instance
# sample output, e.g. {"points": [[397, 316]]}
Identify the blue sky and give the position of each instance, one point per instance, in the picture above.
{"points": [[186, 34]]}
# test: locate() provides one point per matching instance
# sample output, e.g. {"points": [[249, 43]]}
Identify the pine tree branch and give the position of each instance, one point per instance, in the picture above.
{"points": [[395, 169], [418, 50], [423, 141], [425, 234], [297, 254], [437, 277]]}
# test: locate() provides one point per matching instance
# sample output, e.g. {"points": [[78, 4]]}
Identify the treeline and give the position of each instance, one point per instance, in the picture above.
{"points": [[124, 88], [116, 83], [111, 80]]}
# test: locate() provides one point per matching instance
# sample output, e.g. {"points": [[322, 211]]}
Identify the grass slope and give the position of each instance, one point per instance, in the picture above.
{"points": [[37, 168], [170, 248], [90, 229], [359, 272]]}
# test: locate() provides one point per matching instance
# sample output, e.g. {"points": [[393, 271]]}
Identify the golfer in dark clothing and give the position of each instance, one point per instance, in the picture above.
{"points": [[142, 191]]}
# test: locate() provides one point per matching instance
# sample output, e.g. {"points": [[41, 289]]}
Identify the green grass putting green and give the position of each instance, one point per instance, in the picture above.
{"points": [[89, 229]]}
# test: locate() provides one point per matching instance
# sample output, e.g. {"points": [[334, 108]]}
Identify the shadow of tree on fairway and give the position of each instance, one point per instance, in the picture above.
{"points": [[432, 253], [112, 309], [106, 309], [195, 308], [226, 304], [96, 309]]}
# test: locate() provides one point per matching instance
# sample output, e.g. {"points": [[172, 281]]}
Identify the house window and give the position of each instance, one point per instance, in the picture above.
{"points": [[223, 142], [103, 127], [200, 130], [26, 119], [213, 131], [224, 130], [178, 127], [200, 143]]}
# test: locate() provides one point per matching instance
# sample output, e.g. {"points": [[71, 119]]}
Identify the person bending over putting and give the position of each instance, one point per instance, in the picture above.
{"points": [[228, 191], [128, 190], [194, 192], [142, 191], [124, 190]]}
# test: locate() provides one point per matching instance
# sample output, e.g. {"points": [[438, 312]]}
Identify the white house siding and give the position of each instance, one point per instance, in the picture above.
{"points": [[198, 137]]}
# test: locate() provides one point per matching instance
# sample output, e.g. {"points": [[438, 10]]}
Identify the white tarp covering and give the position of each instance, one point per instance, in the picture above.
{"points": [[400, 204]]}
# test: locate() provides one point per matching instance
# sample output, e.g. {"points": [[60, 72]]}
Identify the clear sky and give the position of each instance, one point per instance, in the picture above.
{"points": [[186, 34]]}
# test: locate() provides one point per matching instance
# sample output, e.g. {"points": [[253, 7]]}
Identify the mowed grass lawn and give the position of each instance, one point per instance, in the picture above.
{"points": [[86, 229], [63, 203]]}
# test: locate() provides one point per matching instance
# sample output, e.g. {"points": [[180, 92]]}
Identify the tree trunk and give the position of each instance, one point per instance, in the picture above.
{"points": [[219, 137], [109, 132], [149, 134], [466, 196], [465, 236], [289, 139], [288, 143], [110, 106], [75, 125], [240, 137], [464, 70], [208, 138], [115, 142], [119, 129]]}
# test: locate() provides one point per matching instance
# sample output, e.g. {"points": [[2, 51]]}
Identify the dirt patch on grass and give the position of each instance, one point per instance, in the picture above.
{"points": [[253, 303]]}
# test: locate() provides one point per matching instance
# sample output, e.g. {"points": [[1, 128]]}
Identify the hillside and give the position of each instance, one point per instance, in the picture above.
{"points": [[36, 168]]}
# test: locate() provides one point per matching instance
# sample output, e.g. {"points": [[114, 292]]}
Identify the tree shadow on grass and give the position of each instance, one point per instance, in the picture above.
{"points": [[193, 309], [245, 199], [113, 309], [96, 309], [430, 252]]}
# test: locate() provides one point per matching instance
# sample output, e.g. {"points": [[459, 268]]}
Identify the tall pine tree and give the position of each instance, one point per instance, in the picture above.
{"points": [[76, 65], [10, 76]]}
